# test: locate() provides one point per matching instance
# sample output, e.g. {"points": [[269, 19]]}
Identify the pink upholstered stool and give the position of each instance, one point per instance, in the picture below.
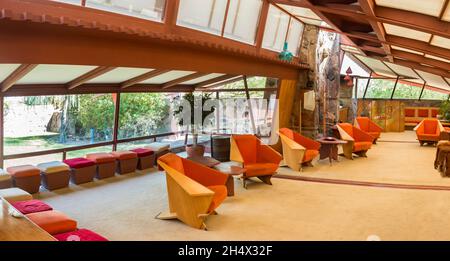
{"points": [[146, 158], [127, 161], [80, 235], [82, 170], [54, 222], [106, 164], [54, 175], [26, 177], [31, 206]]}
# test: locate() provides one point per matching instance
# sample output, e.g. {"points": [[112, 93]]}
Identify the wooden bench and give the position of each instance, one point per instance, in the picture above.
{"points": [[414, 115]]}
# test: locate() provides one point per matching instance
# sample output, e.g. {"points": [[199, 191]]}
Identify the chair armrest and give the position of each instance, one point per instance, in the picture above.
{"points": [[290, 143], [374, 126], [204, 175], [344, 135], [190, 186], [235, 154]]}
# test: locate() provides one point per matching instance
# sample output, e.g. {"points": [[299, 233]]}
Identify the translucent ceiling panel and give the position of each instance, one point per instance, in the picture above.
{"points": [[294, 36], [242, 20], [73, 2], [436, 58], [405, 49], [6, 70], [276, 29], [434, 80], [405, 71], [146, 9], [377, 66], [204, 78], [202, 15], [441, 42], [431, 7], [300, 12], [56, 74], [446, 16], [350, 49], [167, 77], [356, 69], [120, 74], [406, 32]]}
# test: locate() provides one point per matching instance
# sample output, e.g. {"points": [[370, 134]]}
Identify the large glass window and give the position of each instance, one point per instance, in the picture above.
{"points": [[146, 9], [276, 29], [433, 94], [242, 20], [203, 15], [361, 87], [405, 90], [39, 123], [380, 89], [294, 36]]}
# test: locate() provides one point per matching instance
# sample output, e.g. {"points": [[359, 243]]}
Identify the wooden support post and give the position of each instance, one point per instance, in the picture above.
{"points": [[249, 104], [395, 87], [423, 88], [2, 125], [116, 120], [367, 85]]}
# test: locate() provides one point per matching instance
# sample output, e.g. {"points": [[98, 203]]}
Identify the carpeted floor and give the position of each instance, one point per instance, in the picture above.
{"points": [[124, 207]]}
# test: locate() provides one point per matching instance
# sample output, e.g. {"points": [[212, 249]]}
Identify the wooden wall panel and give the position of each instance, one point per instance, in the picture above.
{"points": [[286, 96]]}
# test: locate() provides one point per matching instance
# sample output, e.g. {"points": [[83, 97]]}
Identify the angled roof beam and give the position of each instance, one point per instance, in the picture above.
{"points": [[182, 79], [142, 77], [418, 66], [15, 76], [215, 80], [235, 79], [421, 59], [368, 7], [88, 76]]}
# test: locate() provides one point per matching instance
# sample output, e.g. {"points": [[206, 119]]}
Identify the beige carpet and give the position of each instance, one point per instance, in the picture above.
{"points": [[387, 162]]}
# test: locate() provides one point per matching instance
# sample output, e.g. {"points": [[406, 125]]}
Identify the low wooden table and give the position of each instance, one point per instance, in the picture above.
{"points": [[19, 228], [329, 148], [231, 171]]}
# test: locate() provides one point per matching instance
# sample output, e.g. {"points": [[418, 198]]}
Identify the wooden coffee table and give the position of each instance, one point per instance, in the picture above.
{"points": [[329, 148], [231, 171]]}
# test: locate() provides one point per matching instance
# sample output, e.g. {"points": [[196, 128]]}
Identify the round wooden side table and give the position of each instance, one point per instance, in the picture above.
{"points": [[329, 148]]}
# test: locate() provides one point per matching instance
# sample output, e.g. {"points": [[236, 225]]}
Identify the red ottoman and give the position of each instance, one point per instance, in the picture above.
{"points": [[31, 206], [80, 235], [52, 221], [26, 177], [106, 164], [146, 158], [82, 170], [127, 161], [54, 174]]}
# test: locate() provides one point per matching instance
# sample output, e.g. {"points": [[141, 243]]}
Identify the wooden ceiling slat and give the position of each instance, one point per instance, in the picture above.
{"points": [[182, 79], [16, 75], [89, 76], [214, 80], [142, 77]]}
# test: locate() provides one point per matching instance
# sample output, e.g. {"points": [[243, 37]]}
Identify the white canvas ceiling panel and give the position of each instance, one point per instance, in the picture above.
{"points": [[167, 77], [350, 49], [300, 11], [405, 50], [431, 7], [377, 66], [204, 78], [403, 71], [434, 80], [446, 15], [54, 74], [441, 42], [6, 70], [119, 74], [406, 32]]}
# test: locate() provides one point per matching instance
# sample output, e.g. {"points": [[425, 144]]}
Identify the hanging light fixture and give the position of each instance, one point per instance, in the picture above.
{"points": [[348, 78]]}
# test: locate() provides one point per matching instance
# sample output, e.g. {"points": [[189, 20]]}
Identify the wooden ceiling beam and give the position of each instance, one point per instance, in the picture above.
{"points": [[16, 75], [182, 79], [418, 66], [421, 59], [214, 80], [89, 76], [142, 77], [235, 79]]}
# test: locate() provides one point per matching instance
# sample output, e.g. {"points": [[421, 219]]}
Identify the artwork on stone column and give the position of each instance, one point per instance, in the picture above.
{"points": [[328, 68]]}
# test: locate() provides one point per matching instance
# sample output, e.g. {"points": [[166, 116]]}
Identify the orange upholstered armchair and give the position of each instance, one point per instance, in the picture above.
{"points": [[358, 141], [369, 127], [259, 160], [194, 191], [429, 131], [297, 149]]}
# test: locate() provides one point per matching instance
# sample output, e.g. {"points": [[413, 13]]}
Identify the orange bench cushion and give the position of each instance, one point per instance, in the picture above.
{"points": [[23, 171], [101, 157], [423, 113], [410, 112], [54, 222], [124, 155]]}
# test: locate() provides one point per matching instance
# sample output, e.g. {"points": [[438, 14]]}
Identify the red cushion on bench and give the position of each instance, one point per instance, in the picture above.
{"points": [[143, 152], [78, 163], [80, 235], [31, 206]]}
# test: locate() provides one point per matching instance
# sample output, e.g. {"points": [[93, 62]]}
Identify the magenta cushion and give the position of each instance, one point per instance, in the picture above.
{"points": [[80, 235], [143, 152], [31, 206], [78, 163]]}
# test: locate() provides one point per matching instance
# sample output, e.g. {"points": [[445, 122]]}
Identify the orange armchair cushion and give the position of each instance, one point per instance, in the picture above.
{"points": [[310, 155], [362, 146], [247, 147], [365, 124], [220, 194], [260, 169], [300, 139]]}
